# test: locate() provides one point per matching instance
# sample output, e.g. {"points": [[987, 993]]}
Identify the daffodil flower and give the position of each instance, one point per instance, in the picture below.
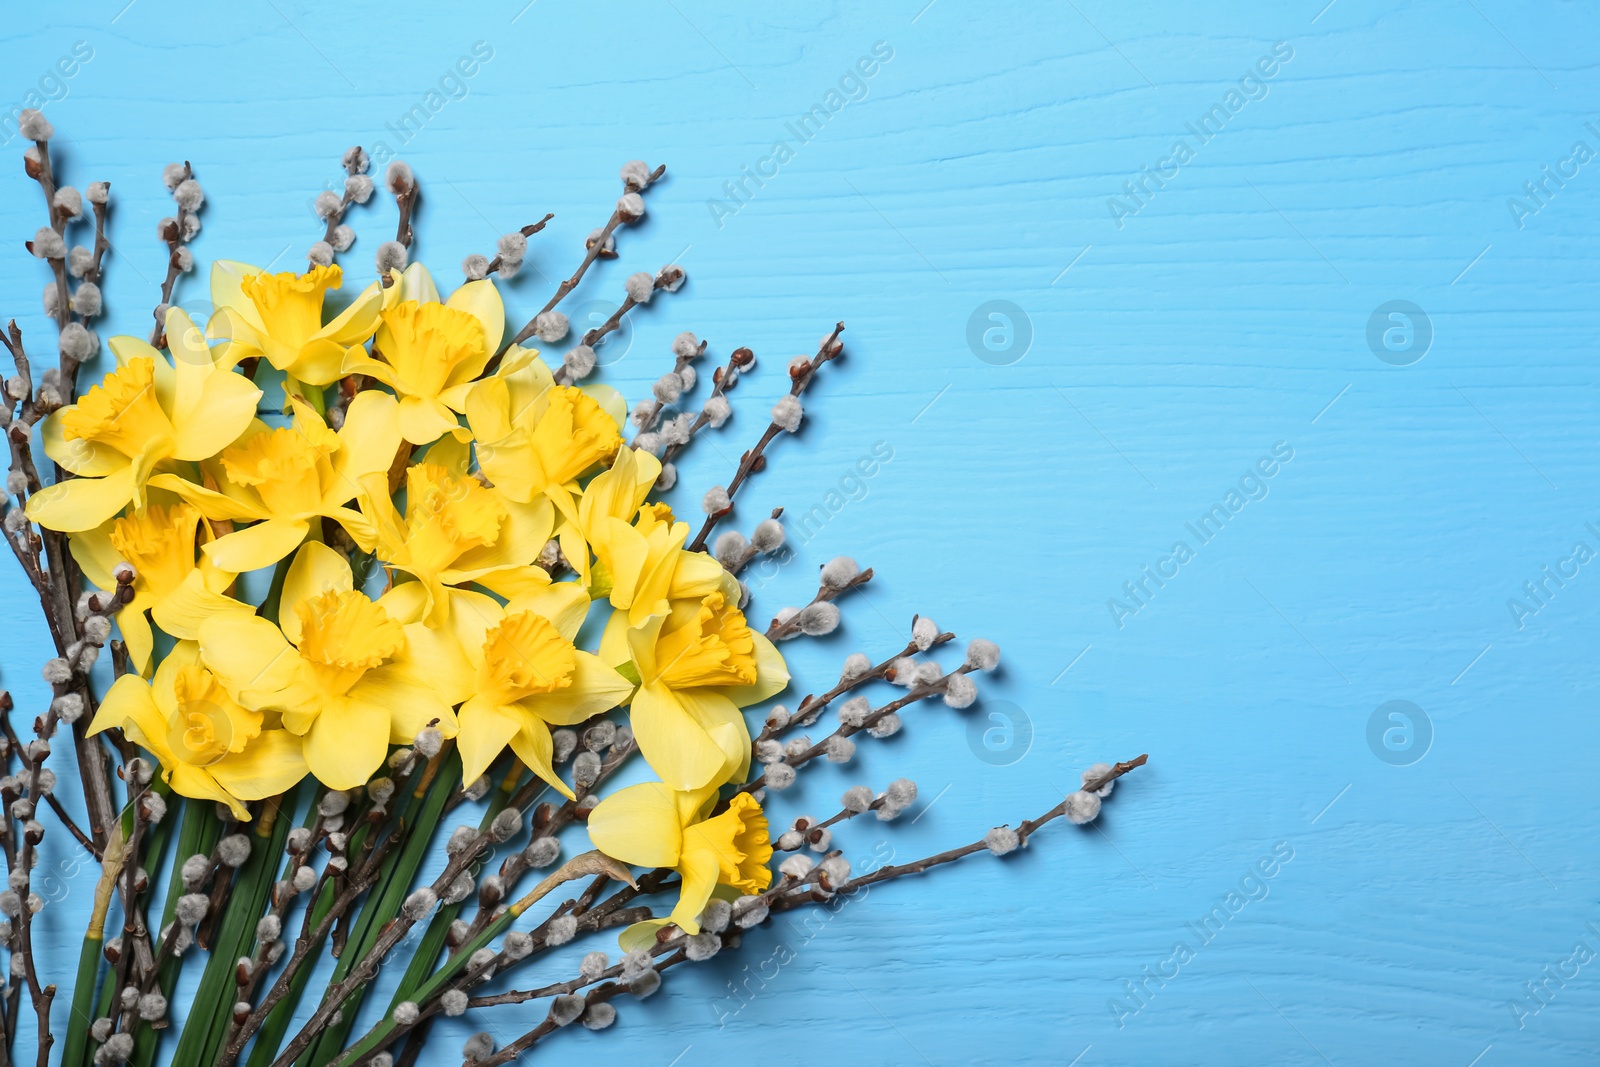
{"points": [[340, 668], [209, 747], [142, 416], [528, 674], [643, 562], [159, 542], [429, 352], [651, 825], [697, 666], [457, 531], [279, 316], [537, 438], [282, 479]]}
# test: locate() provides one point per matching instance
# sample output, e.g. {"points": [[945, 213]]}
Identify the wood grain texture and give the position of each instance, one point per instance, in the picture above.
{"points": [[1223, 317]]}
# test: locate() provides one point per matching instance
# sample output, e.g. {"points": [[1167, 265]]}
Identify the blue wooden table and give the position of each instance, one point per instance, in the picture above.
{"points": [[1235, 366]]}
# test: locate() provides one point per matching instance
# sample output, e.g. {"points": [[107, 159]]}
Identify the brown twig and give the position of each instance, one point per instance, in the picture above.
{"points": [[1025, 829], [779, 631], [921, 692], [593, 249], [172, 233], [755, 459]]}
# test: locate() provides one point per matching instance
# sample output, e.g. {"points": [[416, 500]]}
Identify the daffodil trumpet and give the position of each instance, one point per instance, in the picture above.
{"points": [[697, 665], [653, 825], [343, 671]]}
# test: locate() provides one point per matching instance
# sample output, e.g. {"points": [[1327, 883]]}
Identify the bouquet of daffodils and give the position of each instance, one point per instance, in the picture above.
{"points": [[374, 585]]}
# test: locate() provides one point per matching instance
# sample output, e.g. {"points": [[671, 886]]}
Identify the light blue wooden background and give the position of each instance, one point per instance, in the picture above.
{"points": [[1167, 355]]}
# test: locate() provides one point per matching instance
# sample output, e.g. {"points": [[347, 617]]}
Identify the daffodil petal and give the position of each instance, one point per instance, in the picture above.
{"points": [[615, 647], [273, 761], [222, 412], [319, 362], [593, 688], [433, 659], [257, 546], [137, 636], [347, 743], [81, 503], [724, 724], [369, 437], [93, 551], [672, 740], [212, 504], [423, 420], [417, 284], [227, 290], [565, 604], [356, 323], [80, 455], [410, 704], [182, 611], [534, 748], [485, 731], [509, 582], [699, 869], [197, 783], [130, 700], [249, 655], [696, 575], [638, 825]]}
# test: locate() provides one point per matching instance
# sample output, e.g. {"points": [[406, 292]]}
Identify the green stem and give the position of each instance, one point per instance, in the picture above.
{"points": [[210, 1012], [198, 834], [383, 903], [270, 1037]]}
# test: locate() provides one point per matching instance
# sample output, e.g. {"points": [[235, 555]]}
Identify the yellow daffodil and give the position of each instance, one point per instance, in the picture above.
{"points": [[643, 562], [340, 668], [159, 542], [282, 479], [616, 493], [650, 825], [210, 748], [457, 531], [142, 416], [279, 316], [536, 438], [429, 352], [697, 666], [528, 674]]}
